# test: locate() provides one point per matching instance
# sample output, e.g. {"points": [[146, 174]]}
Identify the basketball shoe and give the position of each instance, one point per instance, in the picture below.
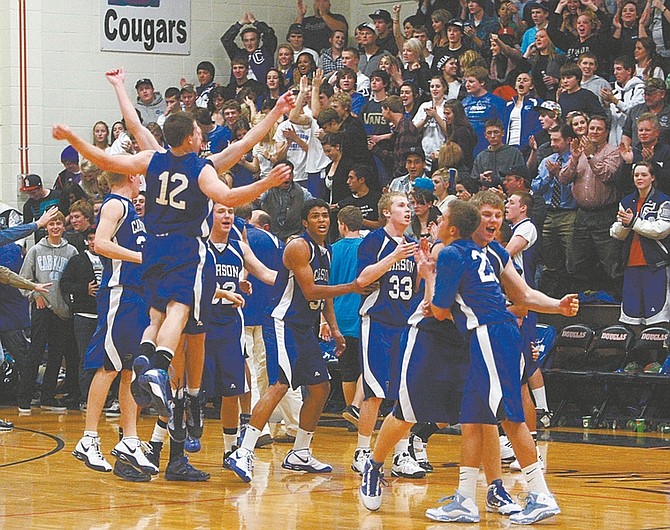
{"points": [[303, 460], [539, 506], [351, 413], [360, 458], [88, 451], [405, 466], [195, 416], [157, 383], [129, 473], [460, 510], [140, 394], [499, 501], [181, 470], [241, 462], [130, 451], [372, 485], [506, 451], [6, 426], [417, 450], [192, 445]]}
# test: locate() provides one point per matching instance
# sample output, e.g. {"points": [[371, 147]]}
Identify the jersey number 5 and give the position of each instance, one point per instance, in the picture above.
{"points": [[165, 199]]}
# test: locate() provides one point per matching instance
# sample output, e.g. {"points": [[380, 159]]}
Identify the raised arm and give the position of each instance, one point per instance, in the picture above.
{"points": [[110, 214], [146, 140], [127, 165], [227, 158], [373, 272]]}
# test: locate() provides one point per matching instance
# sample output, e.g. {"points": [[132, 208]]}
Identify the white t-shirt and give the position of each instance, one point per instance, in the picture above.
{"points": [[295, 154], [432, 138]]}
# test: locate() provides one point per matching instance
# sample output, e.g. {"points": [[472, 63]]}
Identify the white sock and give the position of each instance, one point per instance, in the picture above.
{"points": [[251, 435], [228, 441], [91, 434], [540, 395], [302, 439], [193, 392], [159, 434], [535, 478], [363, 442], [401, 447], [467, 481], [134, 439]]}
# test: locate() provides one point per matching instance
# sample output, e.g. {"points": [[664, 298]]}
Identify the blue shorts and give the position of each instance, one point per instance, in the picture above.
{"points": [[224, 371], [180, 269], [380, 358], [293, 354], [493, 386], [122, 319], [433, 368]]}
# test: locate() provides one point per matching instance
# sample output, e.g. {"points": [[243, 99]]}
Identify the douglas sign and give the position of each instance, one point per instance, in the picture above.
{"points": [[146, 26]]}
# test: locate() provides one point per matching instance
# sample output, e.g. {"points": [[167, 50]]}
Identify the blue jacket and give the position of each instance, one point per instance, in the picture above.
{"points": [[652, 225], [530, 122]]}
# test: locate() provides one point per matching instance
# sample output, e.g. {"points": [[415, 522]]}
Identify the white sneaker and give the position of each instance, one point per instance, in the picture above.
{"points": [[360, 457], [506, 451], [88, 451], [539, 506], [114, 410], [303, 460], [405, 466], [515, 466], [129, 450], [241, 461], [460, 510]]}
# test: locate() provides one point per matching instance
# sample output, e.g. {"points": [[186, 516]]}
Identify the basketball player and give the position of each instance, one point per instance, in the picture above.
{"points": [[293, 354], [385, 256], [224, 375], [122, 318]]}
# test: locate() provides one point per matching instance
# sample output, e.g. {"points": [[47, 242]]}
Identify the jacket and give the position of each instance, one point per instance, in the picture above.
{"points": [[74, 284], [530, 123], [153, 110], [652, 225], [629, 95], [45, 263]]}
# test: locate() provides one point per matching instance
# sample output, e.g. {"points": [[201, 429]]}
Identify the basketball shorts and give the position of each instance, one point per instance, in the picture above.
{"points": [[380, 353], [224, 370]]}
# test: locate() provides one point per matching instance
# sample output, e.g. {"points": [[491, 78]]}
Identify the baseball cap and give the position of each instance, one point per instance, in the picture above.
{"points": [[31, 182], [381, 13], [143, 81], [456, 23], [415, 151], [294, 29], [366, 25], [442, 61], [549, 106], [423, 183], [654, 84], [516, 171]]}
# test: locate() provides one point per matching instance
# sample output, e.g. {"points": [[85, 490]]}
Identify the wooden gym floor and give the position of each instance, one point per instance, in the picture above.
{"points": [[601, 480]]}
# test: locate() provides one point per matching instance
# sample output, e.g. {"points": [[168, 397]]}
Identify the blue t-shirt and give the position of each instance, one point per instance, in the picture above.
{"points": [[467, 284], [343, 270]]}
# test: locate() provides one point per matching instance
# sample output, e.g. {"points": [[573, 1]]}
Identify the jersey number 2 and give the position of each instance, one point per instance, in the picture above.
{"points": [[165, 199], [484, 276]]}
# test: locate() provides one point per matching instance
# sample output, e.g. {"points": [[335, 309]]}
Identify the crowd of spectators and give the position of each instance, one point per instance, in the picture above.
{"points": [[562, 99]]}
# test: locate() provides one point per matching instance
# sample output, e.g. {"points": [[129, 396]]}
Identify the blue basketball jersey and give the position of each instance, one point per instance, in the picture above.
{"points": [[395, 299], [175, 204], [467, 283], [131, 234], [229, 263], [291, 306]]}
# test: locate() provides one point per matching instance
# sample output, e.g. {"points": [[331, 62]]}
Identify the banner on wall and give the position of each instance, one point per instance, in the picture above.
{"points": [[146, 26]]}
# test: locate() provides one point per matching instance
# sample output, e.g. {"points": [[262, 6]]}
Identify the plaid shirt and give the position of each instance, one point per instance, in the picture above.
{"points": [[328, 64]]}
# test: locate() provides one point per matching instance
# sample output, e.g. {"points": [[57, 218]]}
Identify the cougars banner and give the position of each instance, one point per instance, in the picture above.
{"points": [[146, 26]]}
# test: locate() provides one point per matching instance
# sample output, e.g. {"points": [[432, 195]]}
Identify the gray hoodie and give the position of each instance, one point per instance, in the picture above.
{"points": [[153, 110], [45, 263]]}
